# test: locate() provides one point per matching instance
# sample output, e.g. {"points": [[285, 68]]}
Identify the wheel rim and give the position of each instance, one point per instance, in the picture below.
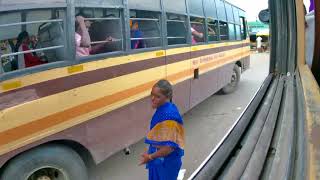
{"points": [[48, 173], [234, 79]]}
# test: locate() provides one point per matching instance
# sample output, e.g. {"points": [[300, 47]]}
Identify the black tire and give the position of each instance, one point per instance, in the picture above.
{"points": [[233, 84], [62, 163]]}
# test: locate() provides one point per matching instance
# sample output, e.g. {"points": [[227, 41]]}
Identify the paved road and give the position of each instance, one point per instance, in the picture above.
{"points": [[205, 126]]}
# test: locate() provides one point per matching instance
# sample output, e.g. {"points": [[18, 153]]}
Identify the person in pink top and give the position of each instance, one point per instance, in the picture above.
{"points": [[195, 34], [82, 37]]}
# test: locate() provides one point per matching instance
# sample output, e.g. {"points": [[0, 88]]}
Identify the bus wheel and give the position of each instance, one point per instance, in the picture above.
{"points": [[233, 84], [52, 162]]}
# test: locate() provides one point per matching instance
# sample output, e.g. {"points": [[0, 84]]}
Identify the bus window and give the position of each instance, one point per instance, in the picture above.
{"points": [[176, 29], [243, 28], [197, 30], [236, 15], [144, 29], [232, 34], [195, 7], [179, 6], [221, 11], [98, 30], [210, 9], [229, 11], [238, 34], [213, 34], [224, 32], [31, 38]]}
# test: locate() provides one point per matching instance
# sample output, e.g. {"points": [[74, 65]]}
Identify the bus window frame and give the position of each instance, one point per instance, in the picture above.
{"points": [[220, 31], [93, 4], [96, 57], [67, 61], [217, 33], [245, 26], [235, 28], [232, 21], [166, 31], [27, 7], [205, 41], [161, 33]]}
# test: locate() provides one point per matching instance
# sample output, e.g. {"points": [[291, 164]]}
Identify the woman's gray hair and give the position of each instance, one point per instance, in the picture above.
{"points": [[165, 88]]}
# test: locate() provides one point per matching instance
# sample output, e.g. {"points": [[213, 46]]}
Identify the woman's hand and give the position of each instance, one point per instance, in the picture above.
{"points": [[145, 158], [110, 39]]}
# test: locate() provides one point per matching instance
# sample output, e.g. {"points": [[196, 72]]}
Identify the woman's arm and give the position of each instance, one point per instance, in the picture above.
{"points": [[98, 47], [85, 37], [162, 152], [211, 31], [196, 33]]}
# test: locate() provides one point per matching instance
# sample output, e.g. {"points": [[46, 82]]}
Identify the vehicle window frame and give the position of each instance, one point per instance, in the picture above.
{"points": [[237, 25], [161, 30], [194, 13], [236, 15], [174, 11], [95, 57], [234, 30], [245, 26], [186, 32], [139, 5], [228, 38], [229, 12], [221, 9], [207, 8], [65, 61], [218, 30], [204, 30]]}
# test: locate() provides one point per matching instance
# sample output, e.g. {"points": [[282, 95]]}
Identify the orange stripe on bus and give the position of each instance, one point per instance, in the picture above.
{"points": [[57, 118]]}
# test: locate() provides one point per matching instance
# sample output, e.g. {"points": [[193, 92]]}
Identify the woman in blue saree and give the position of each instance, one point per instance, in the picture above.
{"points": [[165, 137]]}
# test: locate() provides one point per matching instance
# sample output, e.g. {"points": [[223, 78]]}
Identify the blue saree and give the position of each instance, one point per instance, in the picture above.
{"points": [[166, 129]]}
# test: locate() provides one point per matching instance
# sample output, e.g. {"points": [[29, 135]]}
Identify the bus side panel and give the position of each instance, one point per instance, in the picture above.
{"points": [[114, 131], [103, 135], [204, 87], [245, 61], [209, 83], [181, 95], [107, 134], [178, 61]]}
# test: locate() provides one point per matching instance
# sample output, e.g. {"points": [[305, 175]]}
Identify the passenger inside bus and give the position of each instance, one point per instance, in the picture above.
{"points": [[82, 37], [9, 62], [136, 33], [196, 35], [211, 31], [27, 59]]}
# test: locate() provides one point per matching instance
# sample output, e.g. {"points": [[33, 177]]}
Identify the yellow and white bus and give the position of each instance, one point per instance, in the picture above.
{"points": [[60, 110]]}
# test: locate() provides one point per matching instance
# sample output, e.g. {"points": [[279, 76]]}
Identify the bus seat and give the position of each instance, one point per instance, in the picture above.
{"points": [[99, 31], [150, 30], [51, 34], [176, 30]]}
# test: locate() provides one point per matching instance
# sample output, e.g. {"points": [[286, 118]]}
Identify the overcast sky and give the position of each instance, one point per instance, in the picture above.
{"points": [[252, 7]]}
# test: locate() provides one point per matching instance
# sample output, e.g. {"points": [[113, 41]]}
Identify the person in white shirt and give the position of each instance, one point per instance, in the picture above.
{"points": [[259, 44]]}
